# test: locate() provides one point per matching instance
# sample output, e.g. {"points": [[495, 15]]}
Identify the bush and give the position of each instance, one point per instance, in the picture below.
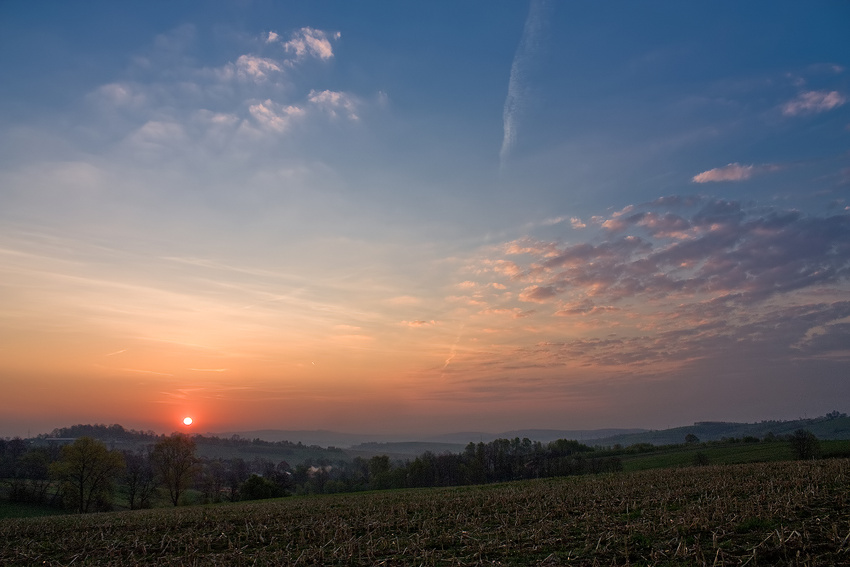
{"points": [[259, 488]]}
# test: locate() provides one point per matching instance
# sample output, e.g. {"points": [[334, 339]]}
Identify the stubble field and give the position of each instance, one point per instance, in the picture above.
{"points": [[789, 513]]}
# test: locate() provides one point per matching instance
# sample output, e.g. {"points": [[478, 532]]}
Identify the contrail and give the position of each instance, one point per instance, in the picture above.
{"points": [[452, 352], [528, 46]]}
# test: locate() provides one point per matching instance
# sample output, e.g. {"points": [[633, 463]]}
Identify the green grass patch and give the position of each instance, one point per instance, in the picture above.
{"points": [[21, 510], [716, 454]]}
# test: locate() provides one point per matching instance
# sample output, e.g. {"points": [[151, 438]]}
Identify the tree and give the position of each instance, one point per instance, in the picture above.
{"points": [[805, 444], [139, 478], [86, 470], [33, 476], [175, 463], [236, 473], [258, 488], [690, 439]]}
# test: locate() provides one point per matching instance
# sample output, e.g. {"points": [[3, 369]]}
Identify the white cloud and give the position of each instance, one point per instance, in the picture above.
{"points": [[119, 94], [256, 68], [274, 116], [517, 88], [308, 42], [812, 102], [331, 101], [157, 138]]}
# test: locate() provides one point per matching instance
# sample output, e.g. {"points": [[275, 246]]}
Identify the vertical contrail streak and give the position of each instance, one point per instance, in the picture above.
{"points": [[517, 87], [452, 352]]}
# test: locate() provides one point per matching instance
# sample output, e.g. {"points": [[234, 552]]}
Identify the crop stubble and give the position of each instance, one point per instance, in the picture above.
{"points": [[791, 513]]}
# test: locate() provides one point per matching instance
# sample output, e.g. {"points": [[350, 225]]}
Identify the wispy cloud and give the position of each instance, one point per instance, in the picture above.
{"points": [[517, 87], [140, 371], [251, 92], [813, 102], [274, 116], [419, 323], [676, 280], [333, 102], [733, 172], [256, 68]]}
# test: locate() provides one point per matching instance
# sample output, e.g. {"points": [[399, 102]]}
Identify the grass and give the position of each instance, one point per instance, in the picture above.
{"points": [[724, 453], [784, 513], [20, 510]]}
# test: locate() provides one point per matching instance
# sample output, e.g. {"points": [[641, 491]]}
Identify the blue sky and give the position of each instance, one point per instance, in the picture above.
{"points": [[423, 216]]}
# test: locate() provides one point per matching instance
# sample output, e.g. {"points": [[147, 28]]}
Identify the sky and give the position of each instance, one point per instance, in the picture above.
{"points": [[422, 217]]}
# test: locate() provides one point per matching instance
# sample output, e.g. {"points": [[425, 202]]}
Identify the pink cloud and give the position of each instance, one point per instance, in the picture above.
{"points": [[311, 42], [731, 172], [256, 68], [812, 102], [538, 294], [333, 102], [419, 323]]}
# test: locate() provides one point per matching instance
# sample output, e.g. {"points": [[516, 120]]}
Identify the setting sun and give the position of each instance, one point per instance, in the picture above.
{"points": [[187, 421]]}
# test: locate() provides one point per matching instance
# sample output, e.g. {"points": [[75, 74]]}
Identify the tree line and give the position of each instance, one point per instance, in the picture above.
{"points": [[85, 476]]}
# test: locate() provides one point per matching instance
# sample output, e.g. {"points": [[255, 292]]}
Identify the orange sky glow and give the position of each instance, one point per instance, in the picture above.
{"points": [[416, 218]]}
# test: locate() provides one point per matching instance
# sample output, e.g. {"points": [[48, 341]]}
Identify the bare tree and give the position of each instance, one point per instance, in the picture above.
{"points": [[175, 463], [86, 470], [139, 478], [805, 444]]}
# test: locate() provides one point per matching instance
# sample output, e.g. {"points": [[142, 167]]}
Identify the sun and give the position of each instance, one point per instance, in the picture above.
{"points": [[187, 421]]}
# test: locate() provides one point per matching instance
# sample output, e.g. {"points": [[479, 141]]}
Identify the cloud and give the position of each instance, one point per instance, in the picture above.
{"points": [[218, 107], [120, 95], [274, 116], [538, 294], [256, 68], [733, 172], [419, 323], [718, 249], [517, 89], [310, 42], [813, 102], [332, 101]]}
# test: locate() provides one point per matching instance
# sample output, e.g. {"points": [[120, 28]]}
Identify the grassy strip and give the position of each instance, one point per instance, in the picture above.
{"points": [[725, 454]]}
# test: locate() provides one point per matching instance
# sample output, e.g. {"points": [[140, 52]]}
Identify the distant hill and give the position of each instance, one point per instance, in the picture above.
{"points": [[298, 445], [319, 437], [831, 426], [834, 425], [324, 438]]}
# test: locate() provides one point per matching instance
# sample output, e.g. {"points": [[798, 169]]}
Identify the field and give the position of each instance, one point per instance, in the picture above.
{"points": [[788, 513], [724, 453]]}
